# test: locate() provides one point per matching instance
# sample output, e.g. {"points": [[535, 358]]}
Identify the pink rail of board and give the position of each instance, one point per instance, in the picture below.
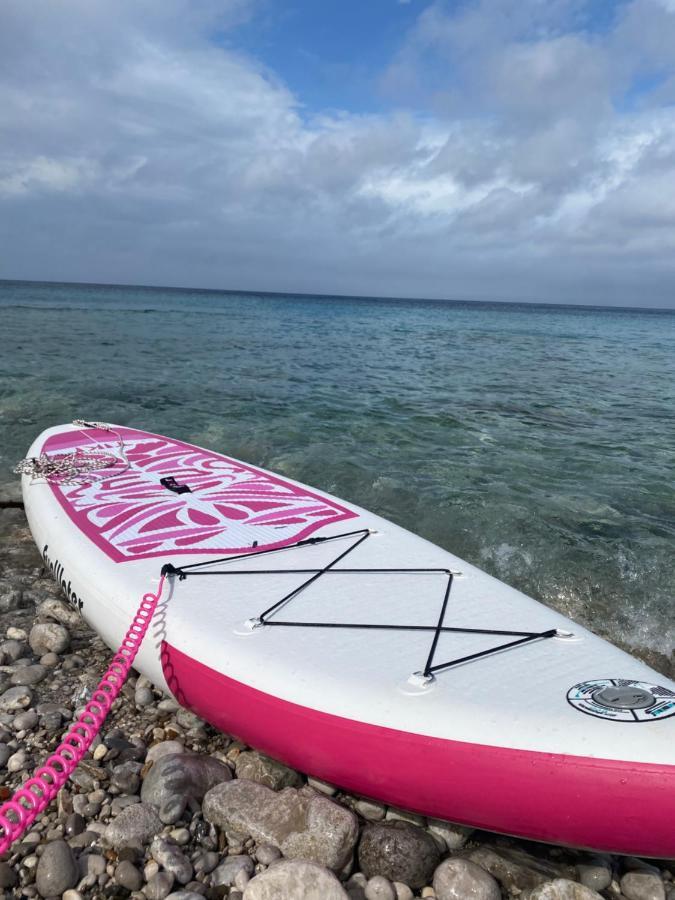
{"points": [[604, 804], [230, 508]]}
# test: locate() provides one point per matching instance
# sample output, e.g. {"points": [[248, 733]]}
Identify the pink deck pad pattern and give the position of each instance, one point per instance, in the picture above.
{"points": [[231, 506]]}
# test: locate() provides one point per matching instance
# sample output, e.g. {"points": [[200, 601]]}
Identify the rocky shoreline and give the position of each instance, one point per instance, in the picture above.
{"points": [[165, 807]]}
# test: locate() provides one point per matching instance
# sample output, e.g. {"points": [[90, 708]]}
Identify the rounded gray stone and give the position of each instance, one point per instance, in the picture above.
{"points": [[379, 888], [136, 824], [16, 698], [457, 879], [159, 886], [25, 721], [399, 851], [295, 879], [594, 875], [403, 892], [172, 858], [642, 886], [227, 871], [29, 675], [176, 779], [128, 876], [48, 637], [57, 870], [267, 853]]}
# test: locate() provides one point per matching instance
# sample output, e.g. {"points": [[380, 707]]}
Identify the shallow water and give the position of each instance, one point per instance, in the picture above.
{"points": [[534, 441]]}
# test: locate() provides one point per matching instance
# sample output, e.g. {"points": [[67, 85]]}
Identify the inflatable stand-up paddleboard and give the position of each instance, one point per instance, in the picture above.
{"points": [[354, 650]]}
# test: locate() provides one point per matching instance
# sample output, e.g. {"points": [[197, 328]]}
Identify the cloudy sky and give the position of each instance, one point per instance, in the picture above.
{"points": [[485, 149]]}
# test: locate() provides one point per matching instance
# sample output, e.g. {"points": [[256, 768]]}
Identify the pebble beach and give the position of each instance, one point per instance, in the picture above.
{"points": [[164, 806]]}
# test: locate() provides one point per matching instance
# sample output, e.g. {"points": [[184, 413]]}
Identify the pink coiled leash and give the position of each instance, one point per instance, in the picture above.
{"points": [[19, 813]]}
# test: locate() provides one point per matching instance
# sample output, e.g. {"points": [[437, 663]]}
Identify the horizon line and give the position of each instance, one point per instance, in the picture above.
{"points": [[368, 297]]}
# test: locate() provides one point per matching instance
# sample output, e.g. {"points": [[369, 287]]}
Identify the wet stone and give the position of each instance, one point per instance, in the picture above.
{"points": [[75, 824], [399, 851]]}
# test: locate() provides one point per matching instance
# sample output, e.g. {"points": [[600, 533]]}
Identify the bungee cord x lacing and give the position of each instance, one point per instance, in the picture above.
{"points": [[267, 617]]}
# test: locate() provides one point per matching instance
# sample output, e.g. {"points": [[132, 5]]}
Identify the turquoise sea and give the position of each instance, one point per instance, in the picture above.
{"points": [[538, 442]]}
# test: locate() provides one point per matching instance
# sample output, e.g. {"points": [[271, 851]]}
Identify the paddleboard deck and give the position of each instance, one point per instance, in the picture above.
{"points": [[357, 651]]}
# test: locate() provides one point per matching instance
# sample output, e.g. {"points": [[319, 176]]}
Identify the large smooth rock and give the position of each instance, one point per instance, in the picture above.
{"points": [[302, 824], [642, 885], [561, 889], [458, 879], [517, 870], [257, 767], [400, 851], [179, 779], [48, 637], [295, 880], [136, 824], [57, 870]]}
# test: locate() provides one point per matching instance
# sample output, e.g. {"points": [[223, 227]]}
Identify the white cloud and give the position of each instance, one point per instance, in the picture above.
{"points": [[517, 164]]}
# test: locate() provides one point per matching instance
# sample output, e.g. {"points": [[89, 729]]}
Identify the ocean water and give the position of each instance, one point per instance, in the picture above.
{"points": [[538, 442]]}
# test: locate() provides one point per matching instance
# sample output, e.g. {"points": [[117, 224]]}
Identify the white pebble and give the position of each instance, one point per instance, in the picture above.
{"points": [[16, 634]]}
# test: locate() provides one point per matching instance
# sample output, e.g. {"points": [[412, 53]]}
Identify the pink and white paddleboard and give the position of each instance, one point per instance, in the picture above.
{"points": [[356, 651]]}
